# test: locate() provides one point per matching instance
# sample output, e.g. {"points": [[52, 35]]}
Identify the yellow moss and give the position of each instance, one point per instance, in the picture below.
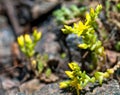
{"points": [[20, 40]]}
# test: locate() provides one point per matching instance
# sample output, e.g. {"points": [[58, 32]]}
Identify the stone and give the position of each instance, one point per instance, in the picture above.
{"points": [[6, 38], [8, 83], [2, 91], [48, 44], [73, 41], [13, 91], [52, 48], [30, 86], [51, 78], [42, 8], [111, 87], [51, 89], [112, 56]]}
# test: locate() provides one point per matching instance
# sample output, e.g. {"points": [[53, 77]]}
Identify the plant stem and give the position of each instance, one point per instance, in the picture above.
{"points": [[78, 93]]}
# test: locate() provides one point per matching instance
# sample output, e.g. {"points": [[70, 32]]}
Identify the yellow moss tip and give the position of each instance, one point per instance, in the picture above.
{"points": [[34, 63], [20, 40], [69, 74], [39, 34], [83, 46], [64, 84], [110, 71], [27, 38]]}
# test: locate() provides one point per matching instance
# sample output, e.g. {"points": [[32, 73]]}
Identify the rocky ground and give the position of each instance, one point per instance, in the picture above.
{"points": [[16, 80], [111, 87]]}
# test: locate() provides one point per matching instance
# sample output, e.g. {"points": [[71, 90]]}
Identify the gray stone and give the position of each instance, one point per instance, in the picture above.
{"points": [[110, 88], [6, 37], [2, 91], [7, 83], [41, 8], [73, 41], [52, 89], [13, 91]]}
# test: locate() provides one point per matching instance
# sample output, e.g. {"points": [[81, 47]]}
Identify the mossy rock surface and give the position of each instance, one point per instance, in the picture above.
{"points": [[110, 87]]}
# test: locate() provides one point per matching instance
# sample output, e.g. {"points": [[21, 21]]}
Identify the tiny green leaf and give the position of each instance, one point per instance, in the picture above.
{"points": [[48, 72]]}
